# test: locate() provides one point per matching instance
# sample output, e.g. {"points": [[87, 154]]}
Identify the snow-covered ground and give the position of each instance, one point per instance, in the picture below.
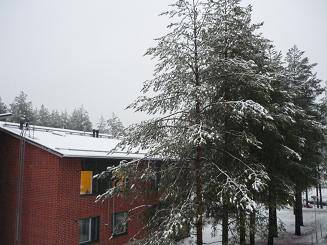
{"points": [[312, 193], [315, 227]]}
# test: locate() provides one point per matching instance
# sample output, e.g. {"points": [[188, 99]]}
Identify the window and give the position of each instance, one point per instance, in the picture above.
{"points": [[88, 230], [119, 223], [86, 182]]}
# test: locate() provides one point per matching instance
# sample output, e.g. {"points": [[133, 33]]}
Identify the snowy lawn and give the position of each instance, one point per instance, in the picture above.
{"points": [[312, 192], [287, 237], [308, 230]]}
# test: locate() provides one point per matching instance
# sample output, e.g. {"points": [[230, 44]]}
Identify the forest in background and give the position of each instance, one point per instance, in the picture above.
{"points": [[22, 109]]}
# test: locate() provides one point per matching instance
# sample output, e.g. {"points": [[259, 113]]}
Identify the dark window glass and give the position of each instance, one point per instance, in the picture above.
{"points": [[89, 229], [119, 223]]}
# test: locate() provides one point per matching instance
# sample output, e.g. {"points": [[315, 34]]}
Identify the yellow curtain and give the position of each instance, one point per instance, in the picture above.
{"points": [[86, 182]]}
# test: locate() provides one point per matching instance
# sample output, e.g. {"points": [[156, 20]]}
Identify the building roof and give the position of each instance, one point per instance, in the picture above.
{"points": [[71, 143]]}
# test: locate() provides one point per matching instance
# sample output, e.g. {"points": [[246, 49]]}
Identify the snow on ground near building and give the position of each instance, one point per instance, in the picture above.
{"points": [[71, 143], [313, 220], [312, 193], [287, 237]]}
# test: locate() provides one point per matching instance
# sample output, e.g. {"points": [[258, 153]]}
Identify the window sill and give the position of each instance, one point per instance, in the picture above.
{"points": [[120, 234], [90, 242], [87, 195]]}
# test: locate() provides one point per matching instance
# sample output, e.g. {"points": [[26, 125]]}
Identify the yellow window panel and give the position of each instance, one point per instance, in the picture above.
{"points": [[86, 182]]}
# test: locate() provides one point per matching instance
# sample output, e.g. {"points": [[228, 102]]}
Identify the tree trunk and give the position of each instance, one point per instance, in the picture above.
{"points": [[297, 211], [306, 198], [199, 223], [317, 196], [320, 196], [275, 220], [252, 227], [199, 198], [301, 209], [242, 226], [271, 225], [199, 191], [271, 219], [225, 222]]}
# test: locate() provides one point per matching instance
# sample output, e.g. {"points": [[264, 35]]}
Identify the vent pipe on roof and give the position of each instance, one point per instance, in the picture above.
{"points": [[95, 133], [23, 120]]}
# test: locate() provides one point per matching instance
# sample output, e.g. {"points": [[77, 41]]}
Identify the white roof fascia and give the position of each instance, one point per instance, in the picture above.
{"points": [[18, 136]]}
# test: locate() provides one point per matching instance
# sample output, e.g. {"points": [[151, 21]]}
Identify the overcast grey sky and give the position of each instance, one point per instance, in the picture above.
{"points": [[65, 53]]}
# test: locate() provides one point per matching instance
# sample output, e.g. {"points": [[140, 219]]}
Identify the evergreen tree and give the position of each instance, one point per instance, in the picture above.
{"points": [[43, 117], [284, 141], [114, 126], [306, 136], [3, 107], [272, 144], [194, 85], [64, 119], [55, 120], [21, 108], [241, 91], [102, 126], [79, 120]]}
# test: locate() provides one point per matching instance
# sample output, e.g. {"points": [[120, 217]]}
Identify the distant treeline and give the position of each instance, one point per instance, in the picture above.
{"points": [[77, 120]]}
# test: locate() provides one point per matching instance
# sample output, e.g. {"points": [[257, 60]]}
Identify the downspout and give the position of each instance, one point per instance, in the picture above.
{"points": [[20, 185]]}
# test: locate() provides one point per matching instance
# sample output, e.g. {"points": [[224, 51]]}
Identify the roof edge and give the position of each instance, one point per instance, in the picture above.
{"points": [[58, 154]]}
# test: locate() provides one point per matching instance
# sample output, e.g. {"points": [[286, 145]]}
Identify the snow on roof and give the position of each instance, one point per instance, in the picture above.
{"points": [[71, 143]]}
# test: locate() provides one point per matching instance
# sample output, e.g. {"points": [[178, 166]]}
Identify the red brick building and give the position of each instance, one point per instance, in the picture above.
{"points": [[48, 193]]}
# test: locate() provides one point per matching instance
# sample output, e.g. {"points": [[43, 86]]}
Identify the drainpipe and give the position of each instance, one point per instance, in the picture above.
{"points": [[20, 184]]}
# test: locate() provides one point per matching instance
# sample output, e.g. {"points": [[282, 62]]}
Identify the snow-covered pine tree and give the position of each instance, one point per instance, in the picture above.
{"points": [[283, 142], [22, 108], [55, 119], [274, 151], [196, 67], [114, 126], [180, 134], [79, 120], [64, 119], [241, 90], [102, 125], [323, 107], [43, 117], [307, 136], [3, 107]]}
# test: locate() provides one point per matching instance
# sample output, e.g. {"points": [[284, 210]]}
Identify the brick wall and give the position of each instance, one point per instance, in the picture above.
{"points": [[74, 207], [40, 193], [52, 205], [8, 174]]}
